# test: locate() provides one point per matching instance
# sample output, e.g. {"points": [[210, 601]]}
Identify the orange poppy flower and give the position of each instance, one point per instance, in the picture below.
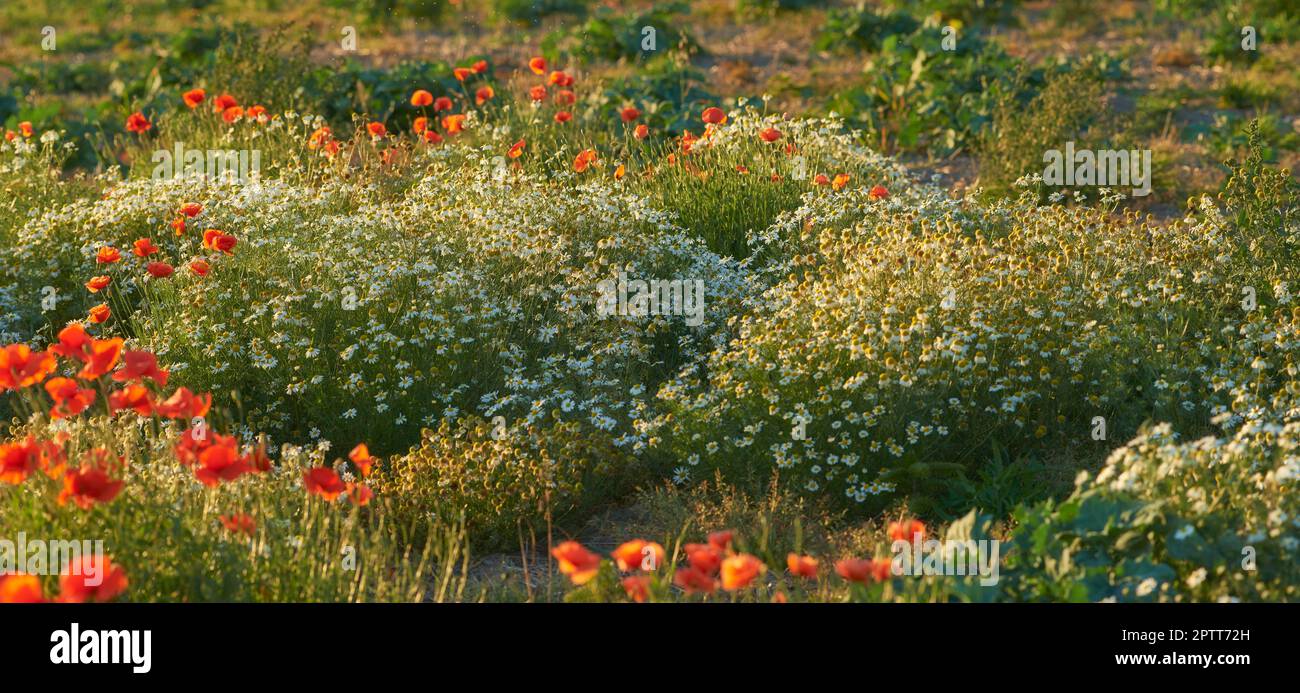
{"points": [[704, 557], [442, 103], [239, 523], [537, 93], [537, 65], [483, 95], [585, 159], [863, 570], [769, 135], [107, 255], [216, 239], [194, 97], [136, 122], [178, 225], [454, 124], [361, 457], [200, 267], [641, 132], [563, 117], [97, 284], [742, 170], [232, 114], [143, 247], [138, 365], [721, 540], [320, 137], [801, 566], [714, 116], [559, 79], [323, 482], [69, 399], [637, 587], [739, 571], [257, 113], [18, 460], [629, 114], [577, 562], [693, 581], [100, 313], [461, 73], [191, 209], [517, 149], [907, 530], [91, 577], [222, 102], [101, 358], [638, 554], [841, 180], [878, 192], [26, 128], [135, 397], [20, 588], [89, 484], [184, 405], [21, 367], [376, 130], [421, 98], [419, 125], [620, 172]]}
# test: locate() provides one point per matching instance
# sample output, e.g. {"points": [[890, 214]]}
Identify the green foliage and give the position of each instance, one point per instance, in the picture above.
{"points": [[612, 36]]}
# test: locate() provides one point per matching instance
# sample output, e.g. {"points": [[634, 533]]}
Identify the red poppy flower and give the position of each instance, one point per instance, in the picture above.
{"points": [[191, 209], [69, 399], [136, 122], [222, 102], [479, 67], [863, 570], [693, 581], [178, 225], [220, 462], [537, 93], [101, 358], [232, 114], [585, 159], [563, 116], [442, 103], [769, 135], [18, 460], [100, 313], [454, 124], [134, 397], [907, 530], [107, 255], [323, 482], [421, 98], [360, 494], [629, 114], [432, 137], [138, 365], [91, 577], [461, 73], [878, 192], [194, 97], [320, 137], [721, 540], [143, 247], [376, 130], [483, 95], [801, 566], [26, 128], [739, 571], [360, 456], [419, 125], [20, 588], [564, 97], [215, 239], [257, 113], [821, 179], [160, 270], [537, 65], [239, 523], [559, 79], [638, 554], [641, 132], [637, 587], [704, 557], [21, 367], [96, 284], [89, 484], [517, 149], [713, 116], [200, 267], [184, 405], [576, 562]]}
